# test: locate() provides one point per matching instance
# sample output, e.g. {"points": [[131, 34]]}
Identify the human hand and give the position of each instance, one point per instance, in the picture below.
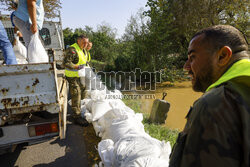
{"points": [[33, 28], [81, 67], [19, 34]]}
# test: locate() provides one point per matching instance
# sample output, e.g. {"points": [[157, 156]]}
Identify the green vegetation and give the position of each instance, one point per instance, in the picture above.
{"points": [[157, 37], [159, 132], [51, 7]]}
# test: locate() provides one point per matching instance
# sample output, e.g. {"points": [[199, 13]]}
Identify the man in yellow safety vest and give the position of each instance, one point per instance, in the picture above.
{"points": [[76, 59]]}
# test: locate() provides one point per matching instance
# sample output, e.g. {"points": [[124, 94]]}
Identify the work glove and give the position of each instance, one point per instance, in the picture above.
{"points": [[81, 67]]}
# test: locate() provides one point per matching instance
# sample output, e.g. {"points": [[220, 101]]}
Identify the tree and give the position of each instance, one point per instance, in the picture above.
{"points": [[137, 41], [68, 36], [173, 22], [51, 7]]}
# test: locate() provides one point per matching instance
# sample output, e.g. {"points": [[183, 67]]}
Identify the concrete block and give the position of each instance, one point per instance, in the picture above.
{"points": [[159, 111]]}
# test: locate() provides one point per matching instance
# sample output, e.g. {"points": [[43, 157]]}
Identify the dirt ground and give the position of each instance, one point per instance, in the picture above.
{"points": [[91, 142]]}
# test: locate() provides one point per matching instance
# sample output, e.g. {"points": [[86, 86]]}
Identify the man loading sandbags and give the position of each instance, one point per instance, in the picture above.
{"points": [[28, 18], [217, 132], [75, 59]]}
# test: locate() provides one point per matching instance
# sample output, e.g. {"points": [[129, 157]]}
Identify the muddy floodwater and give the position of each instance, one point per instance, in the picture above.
{"points": [[181, 97]]}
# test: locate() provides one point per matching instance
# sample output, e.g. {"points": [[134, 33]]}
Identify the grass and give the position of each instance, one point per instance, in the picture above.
{"points": [[159, 132]]}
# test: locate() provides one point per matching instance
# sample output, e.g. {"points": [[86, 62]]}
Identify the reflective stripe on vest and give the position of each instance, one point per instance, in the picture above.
{"points": [[82, 60], [89, 58]]}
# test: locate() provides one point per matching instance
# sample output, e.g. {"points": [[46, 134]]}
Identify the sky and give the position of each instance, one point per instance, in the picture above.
{"points": [[81, 13]]}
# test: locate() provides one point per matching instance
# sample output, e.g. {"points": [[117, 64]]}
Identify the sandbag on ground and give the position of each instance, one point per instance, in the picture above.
{"points": [[117, 123], [106, 152], [131, 150], [99, 108], [147, 162], [124, 126]]}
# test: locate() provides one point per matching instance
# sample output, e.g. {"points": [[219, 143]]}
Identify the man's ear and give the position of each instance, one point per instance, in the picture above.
{"points": [[224, 56]]}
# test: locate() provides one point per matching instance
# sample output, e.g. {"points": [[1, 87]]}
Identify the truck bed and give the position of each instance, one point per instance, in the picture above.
{"points": [[29, 88]]}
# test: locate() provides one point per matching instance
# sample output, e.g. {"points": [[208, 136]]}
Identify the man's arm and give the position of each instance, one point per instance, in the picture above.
{"points": [[32, 13], [71, 58]]}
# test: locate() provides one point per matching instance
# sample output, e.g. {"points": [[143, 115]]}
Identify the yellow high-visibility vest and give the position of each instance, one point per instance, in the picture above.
{"points": [[238, 69], [82, 61], [89, 57]]}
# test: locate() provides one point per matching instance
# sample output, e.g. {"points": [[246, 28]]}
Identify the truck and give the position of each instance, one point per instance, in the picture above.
{"points": [[33, 97]]}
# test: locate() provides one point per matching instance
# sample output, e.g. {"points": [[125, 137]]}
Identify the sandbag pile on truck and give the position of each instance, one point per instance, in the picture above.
{"points": [[124, 140]]}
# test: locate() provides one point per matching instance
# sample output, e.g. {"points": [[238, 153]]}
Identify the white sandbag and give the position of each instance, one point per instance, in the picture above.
{"points": [[99, 108], [166, 150], [87, 103], [106, 120], [36, 51], [83, 81], [97, 128], [130, 148], [105, 150], [147, 162], [126, 125], [21, 61], [139, 117], [99, 165], [20, 52], [89, 73], [81, 72], [114, 95], [114, 115], [90, 80], [83, 111], [82, 75], [98, 94], [88, 116], [117, 103]]}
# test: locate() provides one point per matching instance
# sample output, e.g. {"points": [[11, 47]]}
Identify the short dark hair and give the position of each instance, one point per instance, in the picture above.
{"points": [[81, 36], [224, 35]]}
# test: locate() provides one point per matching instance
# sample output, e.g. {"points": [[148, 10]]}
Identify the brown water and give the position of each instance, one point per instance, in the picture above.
{"points": [[180, 97]]}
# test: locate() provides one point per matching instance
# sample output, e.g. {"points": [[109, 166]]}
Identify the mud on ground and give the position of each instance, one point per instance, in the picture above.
{"points": [[91, 141]]}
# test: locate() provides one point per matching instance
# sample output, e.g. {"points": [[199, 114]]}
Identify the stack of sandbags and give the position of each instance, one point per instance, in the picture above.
{"points": [[134, 151], [117, 123], [124, 140]]}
